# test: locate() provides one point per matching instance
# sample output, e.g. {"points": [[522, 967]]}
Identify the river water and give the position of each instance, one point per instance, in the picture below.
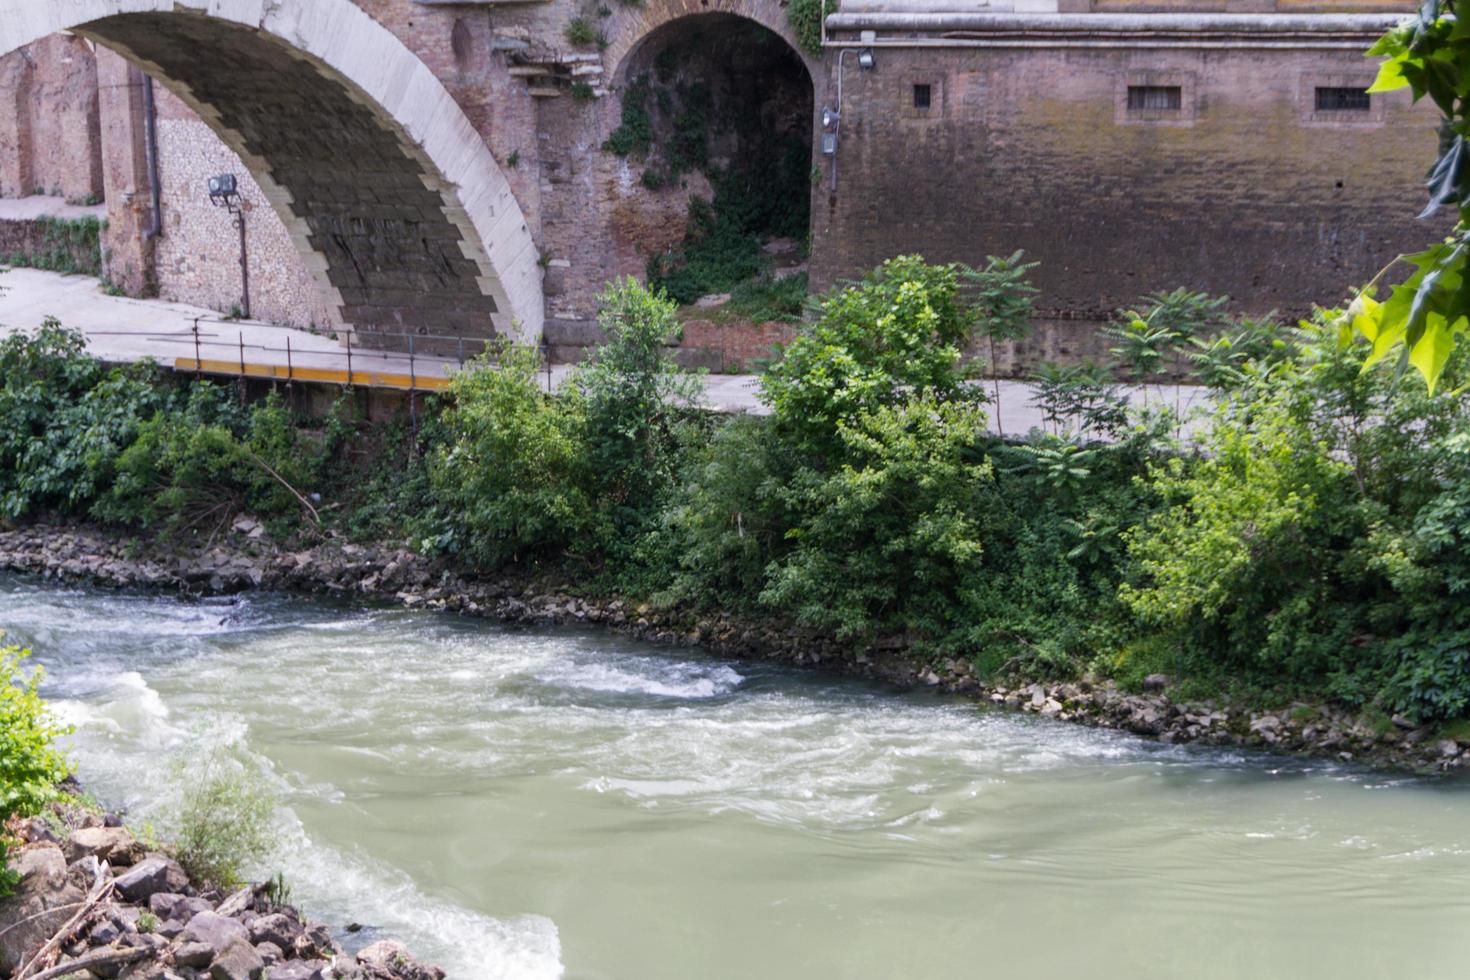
{"points": [[541, 803]]}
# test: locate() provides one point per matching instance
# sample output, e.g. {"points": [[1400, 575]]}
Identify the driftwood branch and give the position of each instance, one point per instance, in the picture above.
{"points": [[102, 957], [102, 885], [315, 517]]}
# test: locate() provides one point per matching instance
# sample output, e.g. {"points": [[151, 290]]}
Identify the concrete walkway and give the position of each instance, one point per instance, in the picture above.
{"points": [[45, 206], [125, 330]]}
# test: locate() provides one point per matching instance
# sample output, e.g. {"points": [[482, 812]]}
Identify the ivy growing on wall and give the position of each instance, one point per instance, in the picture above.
{"points": [[806, 20], [68, 245]]}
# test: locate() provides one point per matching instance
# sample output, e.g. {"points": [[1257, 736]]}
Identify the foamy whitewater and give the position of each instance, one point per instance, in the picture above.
{"points": [[542, 803]]}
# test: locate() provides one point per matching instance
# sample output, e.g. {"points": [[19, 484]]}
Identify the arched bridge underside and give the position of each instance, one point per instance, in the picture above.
{"points": [[398, 207]]}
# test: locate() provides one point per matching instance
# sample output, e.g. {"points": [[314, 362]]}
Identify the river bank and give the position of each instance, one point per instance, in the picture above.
{"points": [[245, 560], [91, 897]]}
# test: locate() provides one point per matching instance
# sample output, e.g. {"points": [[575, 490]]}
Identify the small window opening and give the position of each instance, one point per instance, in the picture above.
{"points": [[1335, 99], [1155, 98], [923, 95]]}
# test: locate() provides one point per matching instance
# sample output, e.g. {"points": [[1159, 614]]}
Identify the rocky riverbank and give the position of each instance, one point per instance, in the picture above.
{"points": [[245, 560], [93, 901]]}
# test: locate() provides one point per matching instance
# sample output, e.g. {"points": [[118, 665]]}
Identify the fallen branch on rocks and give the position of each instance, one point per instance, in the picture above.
{"points": [[101, 958], [149, 912], [102, 886]]}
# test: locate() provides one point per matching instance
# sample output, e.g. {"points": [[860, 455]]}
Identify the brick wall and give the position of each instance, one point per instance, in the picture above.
{"points": [[48, 121], [1245, 191]]}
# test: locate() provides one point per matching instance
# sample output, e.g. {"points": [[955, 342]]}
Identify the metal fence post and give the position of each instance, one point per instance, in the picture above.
{"points": [[241, 336], [198, 364], [413, 408], [349, 359]]}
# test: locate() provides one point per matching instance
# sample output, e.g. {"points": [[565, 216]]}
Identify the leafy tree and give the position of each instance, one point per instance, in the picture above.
{"points": [[509, 479], [888, 539], [1424, 315], [1002, 297], [896, 335], [635, 394]]}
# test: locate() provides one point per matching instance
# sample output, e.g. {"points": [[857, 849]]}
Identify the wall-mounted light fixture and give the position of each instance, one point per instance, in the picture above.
{"points": [[830, 119], [224, 192], [865, 59]]}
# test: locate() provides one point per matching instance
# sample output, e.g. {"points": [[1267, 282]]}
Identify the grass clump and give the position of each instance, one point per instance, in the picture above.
{"points": [[222, 823]]}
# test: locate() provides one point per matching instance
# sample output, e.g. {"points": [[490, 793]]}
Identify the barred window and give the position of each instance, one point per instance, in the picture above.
{"points": [[1153, 98], [923, 95], [1338, 99]]}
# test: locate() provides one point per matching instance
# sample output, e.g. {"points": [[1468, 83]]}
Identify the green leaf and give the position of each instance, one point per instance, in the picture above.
{"points": [[1430, 354], [1390, 75]]}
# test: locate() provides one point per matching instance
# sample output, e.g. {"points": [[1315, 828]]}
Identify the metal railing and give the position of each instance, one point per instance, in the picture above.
{"points": [[207, 351]]}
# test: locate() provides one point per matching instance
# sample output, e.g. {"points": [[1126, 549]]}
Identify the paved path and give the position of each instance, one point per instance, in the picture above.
{"points": [[121, 329], [45, 206]]}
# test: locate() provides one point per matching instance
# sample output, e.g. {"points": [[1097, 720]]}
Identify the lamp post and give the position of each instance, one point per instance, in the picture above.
{"points": [[225, 193]]}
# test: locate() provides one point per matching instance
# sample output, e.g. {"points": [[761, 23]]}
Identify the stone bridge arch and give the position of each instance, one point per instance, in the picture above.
{"points": [[632, 25], [399, 209]]}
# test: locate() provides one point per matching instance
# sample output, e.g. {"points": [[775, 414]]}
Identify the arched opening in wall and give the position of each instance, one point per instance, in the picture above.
{"points": [[385, 189], [717, 110]]}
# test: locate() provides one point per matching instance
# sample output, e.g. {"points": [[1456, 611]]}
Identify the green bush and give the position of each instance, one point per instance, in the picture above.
{"points": [[895, 335], [30, 765], [222, 823], [1315, 545], [765, 298], [891, 539], [200, 461], [509, 478]]}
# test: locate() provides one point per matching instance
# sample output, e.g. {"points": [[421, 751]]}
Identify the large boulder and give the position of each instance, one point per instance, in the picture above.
{"points": [[275, 928], [215, 931], [237, 961], [388, 959], [42, 902], [151, 876], [115, 845]]}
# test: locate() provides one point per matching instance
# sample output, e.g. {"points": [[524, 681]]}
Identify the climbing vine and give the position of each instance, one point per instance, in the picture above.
{"points": [[806, 20]]}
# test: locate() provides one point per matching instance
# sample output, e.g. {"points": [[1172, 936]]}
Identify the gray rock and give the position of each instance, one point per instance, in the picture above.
{"points": [[300, 970], [151, 876], [1154, 683], [115, 845], [215, 931], [39, 905], [170, 905], [270, 953], [275, 928], [193, 954], [105, 933], [237, 961], [1449, 748]]}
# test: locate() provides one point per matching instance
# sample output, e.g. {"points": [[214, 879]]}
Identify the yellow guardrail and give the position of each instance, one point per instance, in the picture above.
{"points": [[283, 372]]}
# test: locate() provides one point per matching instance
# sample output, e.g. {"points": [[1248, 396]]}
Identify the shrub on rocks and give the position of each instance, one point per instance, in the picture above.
{"points": [[30, 767], [222, 823]]}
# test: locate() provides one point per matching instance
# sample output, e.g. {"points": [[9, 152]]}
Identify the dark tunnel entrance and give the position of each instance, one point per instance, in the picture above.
{"points": [[719, 97]]}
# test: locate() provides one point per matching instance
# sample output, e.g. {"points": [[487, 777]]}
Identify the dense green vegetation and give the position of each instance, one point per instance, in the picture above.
{"points": [[69, 245], [1308, 541], [30, 767], [668, 118]]}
